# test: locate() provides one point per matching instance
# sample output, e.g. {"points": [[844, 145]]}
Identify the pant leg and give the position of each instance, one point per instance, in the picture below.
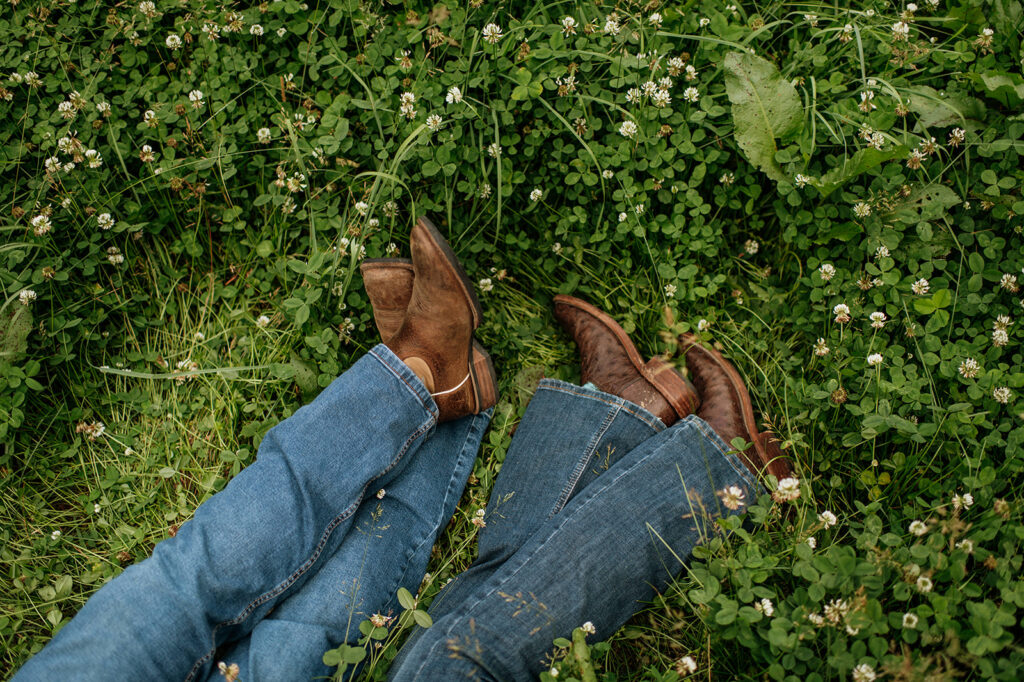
{"points": [[254, 543], [568, 436], [599, 559], [388, 548]]}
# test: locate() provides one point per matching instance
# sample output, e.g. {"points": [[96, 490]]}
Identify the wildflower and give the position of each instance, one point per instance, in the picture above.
{"points": [[149, 118], [556, 248], [966, 545], [963, 501], [104, 109], [281, 31], [296, 182], [230, 672], [866, 104], [1008, 282], [622, 217], [877, 319], [67, 110], [553, 672], [882, 251], [589, 628], [633, 95], [827, 519], [607, 174], [1002, 322], [827, 271], [362, 208], [915, 159], [611, 25], [984, 39], [94, 158], [256, 30], [812, 542], [703, 325], [41, 225], [788, 490], [918, 528], [655, 19], [686, 665], [536, 194], [661, 99], [909, 621], [1001, 507], [928, 147], [957, 137], [863, 673], [486, 285], [820, 349], [568, 26], [802, 180], [147, 8], [262, 321], [105, 221], [811, 19], [27, 296], [846, 35], [454, 95], [1002, 394], [900, 30], [751, 246], [704, 21], [492, 33], [842, 313], [485, 190], [55, 535], [836, 610], [146, 154], [1000, 337], [675, 66], [173, 41], [969, 368], [434, 122], [732, 497], [628, 129], [861, 210], [263, 135], [638, 209], [920, 287], [478, 519], [924, 584], [875, 359], [816, 619], [670, 290], [494, 150], [114, 256], [196, 97], [691, 94]]}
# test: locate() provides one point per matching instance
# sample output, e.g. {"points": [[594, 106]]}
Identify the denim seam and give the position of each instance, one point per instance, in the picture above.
{"points": [[412, 389], [626, 406], [298, 573], [469, 609], [733, 461], [588, 454]]}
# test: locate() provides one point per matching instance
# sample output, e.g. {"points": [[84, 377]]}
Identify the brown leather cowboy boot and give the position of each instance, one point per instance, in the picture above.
{"points": [[726, 407], [388, 283], [611, 362], [436, 334]]}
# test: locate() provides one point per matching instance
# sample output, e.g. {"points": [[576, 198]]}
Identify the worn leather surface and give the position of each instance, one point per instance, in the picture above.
{"points": [[610, 364], [724, 402], [389, 285]]}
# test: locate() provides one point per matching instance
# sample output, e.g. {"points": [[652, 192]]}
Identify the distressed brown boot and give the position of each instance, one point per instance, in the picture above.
{"points": [[610, 361], [436, 335], [726, 407], [388, 283]]}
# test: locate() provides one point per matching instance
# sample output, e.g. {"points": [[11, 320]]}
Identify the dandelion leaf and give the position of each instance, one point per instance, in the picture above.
{"points": [[15, 326], [930, 202], [859, 162], [765, 107], [941, 111], [1007, 88]]}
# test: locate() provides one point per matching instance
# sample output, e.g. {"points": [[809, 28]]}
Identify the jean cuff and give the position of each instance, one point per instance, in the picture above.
{"points": [[727, 451], [607, 398], [404, 374]]}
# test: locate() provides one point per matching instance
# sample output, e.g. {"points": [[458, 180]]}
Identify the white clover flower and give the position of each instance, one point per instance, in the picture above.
{"points": [[362, 208], [262, 321], [686, 665], [633, 95], [751, 246], [114, 256], [691, 73], [812, 543], [556, 248], [842, 313], [703, 325], [877, 319], [924, 584], [766, 607], [1000, 337], [732, 497], [802, 180], [494, 150], [263, 135], [589, 628], [670, 290], [875, 359], [103, 108], [864, 673], [628, 129], [173, 41], [661, 99], [32, 79], [607, 174], [96, 508], [41, 225], [691, 94], [256, 30], [568, 26], [105, 221], [67, 110], [55, 535], [196, 97], [704, 21], [861, 210], [1009, 283], [900, 30], [94, 158], [821, 349], [486, 285], [638, 209], [27, 296], [611, 25], [281, 31], [963, 501], [434, 122], [492, 33], [917, 527], [655, 19], [1002, 394], [787, 490], [920, 287], [909, 621], [969, 368], [146, 154], [827, 271], [536, 194], [1002, 322], [966, 545], [816, 619], [454, 95], [623, 216], [485, 190], [882, 252], [827, 519]]}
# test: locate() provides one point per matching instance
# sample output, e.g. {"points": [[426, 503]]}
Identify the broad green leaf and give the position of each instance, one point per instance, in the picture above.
{"points": [[1007, 88], [15, 326], [940, 111], [422, 618], [765, 107], [405, 599], [861, 161], [930, 202]]}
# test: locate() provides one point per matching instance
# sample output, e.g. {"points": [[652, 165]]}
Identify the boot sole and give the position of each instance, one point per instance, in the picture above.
{"points": [[467, 284], [484, 378]]}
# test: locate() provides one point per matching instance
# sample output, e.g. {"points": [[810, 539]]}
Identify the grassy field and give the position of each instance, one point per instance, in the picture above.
{"points": [[832, 195]]}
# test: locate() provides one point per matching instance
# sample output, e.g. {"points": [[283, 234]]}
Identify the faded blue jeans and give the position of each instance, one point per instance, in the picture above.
{"points": [[300, 532]]}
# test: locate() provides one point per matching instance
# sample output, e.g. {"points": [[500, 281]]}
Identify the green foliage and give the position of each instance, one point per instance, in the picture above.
{"points": [[196, 280]]}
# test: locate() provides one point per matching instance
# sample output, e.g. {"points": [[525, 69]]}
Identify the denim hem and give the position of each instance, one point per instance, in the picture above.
{"points": [[607, 398], [401, 370], [734, 461]]}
